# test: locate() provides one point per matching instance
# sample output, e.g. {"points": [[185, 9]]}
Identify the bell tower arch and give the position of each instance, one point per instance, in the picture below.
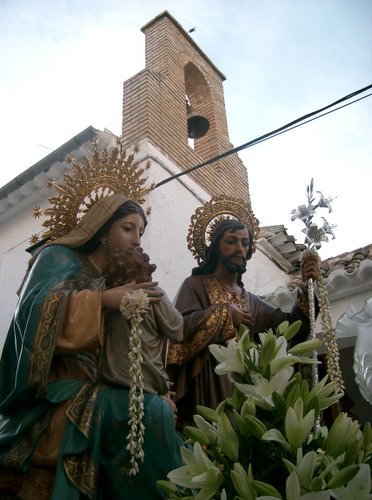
{"points": [[156, 103]]}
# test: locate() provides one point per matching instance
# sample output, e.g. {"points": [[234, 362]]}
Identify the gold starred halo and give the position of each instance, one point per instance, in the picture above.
{"points": [[207, 217], [105, 173]]}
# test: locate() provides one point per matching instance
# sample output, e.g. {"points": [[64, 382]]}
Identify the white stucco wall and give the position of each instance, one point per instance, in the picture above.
{"points": [[263, 276], [171, 208], [16, 227]]}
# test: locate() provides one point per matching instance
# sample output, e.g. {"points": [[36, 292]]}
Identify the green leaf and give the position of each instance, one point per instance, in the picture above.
{"points": [[167, 486], [316, 484], [242, 424], [353, 451], [291, 330], [343, 476], [290, 466], [367, 435], [304, 389], [267, 351], [257, 427], [306, 347], [292, 396], [279, 402], [249, 407], [282, 328], [242, 330], [227, 439], [237, 398], [292, 487], [207, 413], [276, 435], [265, 489], [209, 430], [359, 487], [196, 435], [307, 468], [241, 483]]}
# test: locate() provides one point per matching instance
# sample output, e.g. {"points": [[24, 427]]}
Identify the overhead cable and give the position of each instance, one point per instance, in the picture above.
{"points": [[281, 130]]}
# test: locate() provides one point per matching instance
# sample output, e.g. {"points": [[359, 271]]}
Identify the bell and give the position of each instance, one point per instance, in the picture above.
{"points": [[197, 125]]}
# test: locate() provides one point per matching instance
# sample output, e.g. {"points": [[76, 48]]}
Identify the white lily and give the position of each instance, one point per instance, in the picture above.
{"points": [[359, 487], [198, 473], [240, 481], [293, 490], [262, 389], [230, 358], [305, 466], [298, 427], [341, 435], [268, 348], [281, 347], [282, 358], [325, 393], [332, 469], [276, 435], [208, 429]]}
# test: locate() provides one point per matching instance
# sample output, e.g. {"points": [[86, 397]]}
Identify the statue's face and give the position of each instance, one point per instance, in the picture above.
{"points": [[233, 249], [125, 232]]}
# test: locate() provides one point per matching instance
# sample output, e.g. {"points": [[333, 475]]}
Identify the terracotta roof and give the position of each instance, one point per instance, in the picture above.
{"points": [[347, 273], [348, 261], [280, 247]]}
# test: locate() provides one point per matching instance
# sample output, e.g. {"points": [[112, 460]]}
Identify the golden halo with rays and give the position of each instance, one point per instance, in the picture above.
{"points": [[206, 218], [105, 173]]}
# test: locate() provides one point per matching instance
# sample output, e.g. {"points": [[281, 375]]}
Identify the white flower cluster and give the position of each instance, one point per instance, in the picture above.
{"points": [[262, 442], [315, 234], [132, 307]]}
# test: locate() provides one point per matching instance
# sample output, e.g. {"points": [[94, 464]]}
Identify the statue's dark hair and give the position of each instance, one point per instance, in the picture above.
{"points": [[129, 207], [211, 252]]}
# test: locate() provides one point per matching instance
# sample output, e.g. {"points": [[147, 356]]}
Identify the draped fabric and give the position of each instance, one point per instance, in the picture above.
{"points": [[204, 304], [94, 459], [53, 413], [30, 391], [93, 220], [161, 324]]}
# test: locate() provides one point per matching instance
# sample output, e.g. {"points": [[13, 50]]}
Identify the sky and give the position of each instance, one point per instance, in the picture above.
{"points": [[63, 64]]}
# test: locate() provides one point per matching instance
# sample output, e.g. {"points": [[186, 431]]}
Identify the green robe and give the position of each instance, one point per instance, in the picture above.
{"points": [[93, 459]]}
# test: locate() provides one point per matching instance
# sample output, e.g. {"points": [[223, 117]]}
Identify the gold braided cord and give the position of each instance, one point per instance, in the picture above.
{"points": [[206, 218], [329, 335], [330, 339], [104, 173]]}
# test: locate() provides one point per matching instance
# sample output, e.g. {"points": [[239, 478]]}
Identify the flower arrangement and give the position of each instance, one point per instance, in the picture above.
{"points": [[124, 265], [262, 442], [133, 306], [315, 234]]}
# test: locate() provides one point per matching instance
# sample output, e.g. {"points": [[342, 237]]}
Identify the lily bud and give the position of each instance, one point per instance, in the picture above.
{"points": [[227, 439], [305, 347]]}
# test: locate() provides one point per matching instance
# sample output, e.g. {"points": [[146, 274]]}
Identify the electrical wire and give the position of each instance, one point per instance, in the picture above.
{"points": [[310, 120], [281, 130]]}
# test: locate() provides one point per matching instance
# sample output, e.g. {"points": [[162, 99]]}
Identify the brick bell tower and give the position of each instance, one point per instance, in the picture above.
{"points": [[154, 107]]}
